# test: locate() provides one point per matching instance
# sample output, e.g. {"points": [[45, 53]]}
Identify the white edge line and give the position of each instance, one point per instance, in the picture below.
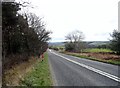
{"points": [[115, 78]]}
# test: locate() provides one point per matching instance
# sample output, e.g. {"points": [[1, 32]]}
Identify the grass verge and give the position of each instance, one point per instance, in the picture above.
{"points": [[114, 62], [40, 74]]}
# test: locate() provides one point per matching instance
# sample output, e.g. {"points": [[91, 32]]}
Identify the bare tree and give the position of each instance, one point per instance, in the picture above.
{"points": [[75, 41], [38, 26], [75, 36], [69, 37]]}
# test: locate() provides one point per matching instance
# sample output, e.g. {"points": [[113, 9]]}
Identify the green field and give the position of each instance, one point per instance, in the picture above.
{"points": [[39, 76], [97, 50]]}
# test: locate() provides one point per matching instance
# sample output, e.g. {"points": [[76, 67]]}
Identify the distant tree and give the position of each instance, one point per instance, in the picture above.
{"points": [[115, 41], [75, 36], [69, 37], [74, 41], [103, 46]]}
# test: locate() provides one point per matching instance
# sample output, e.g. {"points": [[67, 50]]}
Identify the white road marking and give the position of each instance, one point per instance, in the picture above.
{"points": [[115, 78]]}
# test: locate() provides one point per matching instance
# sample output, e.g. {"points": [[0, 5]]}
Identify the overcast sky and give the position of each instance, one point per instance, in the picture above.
{"points": [[95, 18]]}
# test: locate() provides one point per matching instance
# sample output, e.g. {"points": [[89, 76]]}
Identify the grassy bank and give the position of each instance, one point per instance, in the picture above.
{"points": [[114, 62], [17, 72], [40, 74]]}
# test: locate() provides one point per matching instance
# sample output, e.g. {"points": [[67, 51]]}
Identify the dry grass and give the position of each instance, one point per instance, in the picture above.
{"points": [[13, 76], [102, 57]]}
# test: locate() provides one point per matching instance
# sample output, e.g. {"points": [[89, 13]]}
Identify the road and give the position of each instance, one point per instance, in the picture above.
{"points": [[0, 73], [0, 65], [72, 71]]}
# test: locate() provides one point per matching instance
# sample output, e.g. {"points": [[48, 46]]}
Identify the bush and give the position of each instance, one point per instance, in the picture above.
{"points": [[55, 48], [115, 42], [69, 47]]}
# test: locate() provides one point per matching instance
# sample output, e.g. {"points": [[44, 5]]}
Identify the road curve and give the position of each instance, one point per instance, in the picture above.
{"points": [[72, 71]]}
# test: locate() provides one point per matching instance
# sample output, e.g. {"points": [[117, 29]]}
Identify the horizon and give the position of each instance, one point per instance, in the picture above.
{"points": [[82, 41]]}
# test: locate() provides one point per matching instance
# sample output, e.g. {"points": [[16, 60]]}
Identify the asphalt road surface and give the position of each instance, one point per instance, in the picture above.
{"points": [[72, 71]]}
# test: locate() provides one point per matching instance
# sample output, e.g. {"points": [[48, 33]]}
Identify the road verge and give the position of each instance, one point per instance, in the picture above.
{"points": [[40, 74]]}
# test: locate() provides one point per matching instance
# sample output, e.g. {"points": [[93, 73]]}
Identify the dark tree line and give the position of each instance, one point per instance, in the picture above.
{"points": [[22, 34], [115, 41]]}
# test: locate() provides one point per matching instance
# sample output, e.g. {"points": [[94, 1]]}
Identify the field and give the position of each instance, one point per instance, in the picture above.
{"points": [[97, 50], [98, 54], [102, 55], [111, 59]]}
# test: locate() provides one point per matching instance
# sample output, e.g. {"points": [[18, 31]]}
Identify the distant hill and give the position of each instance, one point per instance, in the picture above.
{"points": [[56, 43], [97, 42], [91, 43]]}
